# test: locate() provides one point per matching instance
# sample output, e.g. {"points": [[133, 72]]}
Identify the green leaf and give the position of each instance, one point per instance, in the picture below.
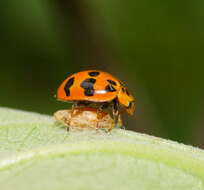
{"points": [[36, 153]]}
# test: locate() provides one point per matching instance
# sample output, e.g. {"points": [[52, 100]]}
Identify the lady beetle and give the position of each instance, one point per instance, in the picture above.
{"points": [[99, 88]]}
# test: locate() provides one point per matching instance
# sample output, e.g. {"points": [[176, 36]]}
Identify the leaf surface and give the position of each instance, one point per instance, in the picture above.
{"points": [[36, 153]]}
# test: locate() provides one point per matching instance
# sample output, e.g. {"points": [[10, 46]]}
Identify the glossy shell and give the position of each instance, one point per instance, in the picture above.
{"points": [[91, 85]]}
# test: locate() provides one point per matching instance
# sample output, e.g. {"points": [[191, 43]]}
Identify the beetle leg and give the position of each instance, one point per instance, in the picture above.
{"points": [[99, 114], [74, 105], [115, 113], [120, 121], [116, 116]]}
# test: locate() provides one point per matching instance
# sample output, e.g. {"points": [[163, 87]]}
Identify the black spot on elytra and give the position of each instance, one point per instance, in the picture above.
{"points": [[67, 86], [89, 92], [110, 88], [112, 82], [87, 85], [123, 90], [94, 73]]}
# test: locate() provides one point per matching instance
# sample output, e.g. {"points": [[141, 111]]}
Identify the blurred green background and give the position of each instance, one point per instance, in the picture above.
{"points": [[155, 47]]}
